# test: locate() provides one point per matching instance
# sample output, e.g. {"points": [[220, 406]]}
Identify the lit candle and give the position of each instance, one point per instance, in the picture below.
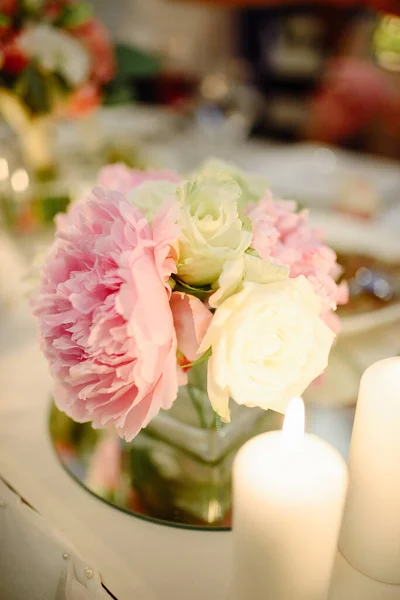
{"points": [[370, 536], [289, 491], [350, 584]]}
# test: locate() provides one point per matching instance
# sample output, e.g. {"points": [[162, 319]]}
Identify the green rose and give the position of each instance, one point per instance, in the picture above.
{"points": [[212, 230]]}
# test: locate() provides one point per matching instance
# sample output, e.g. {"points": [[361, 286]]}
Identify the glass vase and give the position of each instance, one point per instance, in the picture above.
{"points": [[177, 471], [181, 463]]}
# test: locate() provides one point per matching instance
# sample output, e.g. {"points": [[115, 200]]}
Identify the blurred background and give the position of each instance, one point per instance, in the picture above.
{"points": [[306, 93], [177, 81]]}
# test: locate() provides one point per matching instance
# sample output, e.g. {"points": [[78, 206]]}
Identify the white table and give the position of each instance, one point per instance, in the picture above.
{"points": [[138, 560]]}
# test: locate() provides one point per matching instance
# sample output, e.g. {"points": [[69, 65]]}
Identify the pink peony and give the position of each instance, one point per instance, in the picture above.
{"points": [[121, 178], [284, 236], [103, 308]]}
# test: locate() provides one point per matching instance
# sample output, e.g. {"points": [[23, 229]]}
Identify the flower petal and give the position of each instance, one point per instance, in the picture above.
{"points": [[191, 320]]}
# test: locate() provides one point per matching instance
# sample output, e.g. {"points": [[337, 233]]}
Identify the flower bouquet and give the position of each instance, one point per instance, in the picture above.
{"points": [[55, 59], [201, 296]]}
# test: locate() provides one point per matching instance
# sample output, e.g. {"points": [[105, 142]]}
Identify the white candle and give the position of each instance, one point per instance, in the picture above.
{"points": [[289, 493], [350, 584], [370, 536]]}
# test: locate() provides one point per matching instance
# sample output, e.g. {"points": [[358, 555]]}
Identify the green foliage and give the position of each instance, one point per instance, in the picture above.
{"points": [[200, 292], [48, 207], [38, 90], [134, 63], [74, 15], [200, 360], [253, 252], [387, 35], [33, 89], [118, 93], [4, 20]]}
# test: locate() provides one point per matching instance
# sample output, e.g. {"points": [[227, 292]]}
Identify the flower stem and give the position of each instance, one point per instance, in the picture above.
{"points": [[198, 408]]}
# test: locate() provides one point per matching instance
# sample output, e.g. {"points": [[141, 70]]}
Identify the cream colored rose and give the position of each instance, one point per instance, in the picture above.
{"points": [[268, 344], [212, 231]]}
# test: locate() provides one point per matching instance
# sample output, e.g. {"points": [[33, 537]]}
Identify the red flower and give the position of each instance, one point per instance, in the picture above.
{"points": [[53, 9], [13, 59], [95, 37], [8, 7]]}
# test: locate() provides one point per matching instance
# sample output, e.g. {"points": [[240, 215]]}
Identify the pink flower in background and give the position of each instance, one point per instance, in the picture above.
{"points": [[121, 178], [104, 315], [282, 235], [354, 92]]}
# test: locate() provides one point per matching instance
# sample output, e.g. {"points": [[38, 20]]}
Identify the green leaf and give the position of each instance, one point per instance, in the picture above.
{"points": [[199, 360], [33, 89], [48, 207], [118, 93], [132, 63], [31, 8], [252, 252], [75, 15], [200, 292], [59, 83], [5, 20]]}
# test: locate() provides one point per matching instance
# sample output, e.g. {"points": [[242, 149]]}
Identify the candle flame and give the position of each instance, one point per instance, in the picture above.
{"points": [[293, 424]]}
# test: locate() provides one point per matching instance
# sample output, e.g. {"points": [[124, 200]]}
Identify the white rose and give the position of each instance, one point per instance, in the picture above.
{"points": [[150, 195], [57, 52], [268, 344], [252, 186], [212, 231]]}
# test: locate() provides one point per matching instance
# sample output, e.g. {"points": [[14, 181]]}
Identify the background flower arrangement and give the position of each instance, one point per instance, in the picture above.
{"points": [[152, 274], [56, 56], [55, 60], [58, 62]]}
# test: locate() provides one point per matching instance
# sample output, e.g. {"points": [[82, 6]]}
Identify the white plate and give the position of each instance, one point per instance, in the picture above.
{"points": [[351, 236], [315, 175], [134, 122]]}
